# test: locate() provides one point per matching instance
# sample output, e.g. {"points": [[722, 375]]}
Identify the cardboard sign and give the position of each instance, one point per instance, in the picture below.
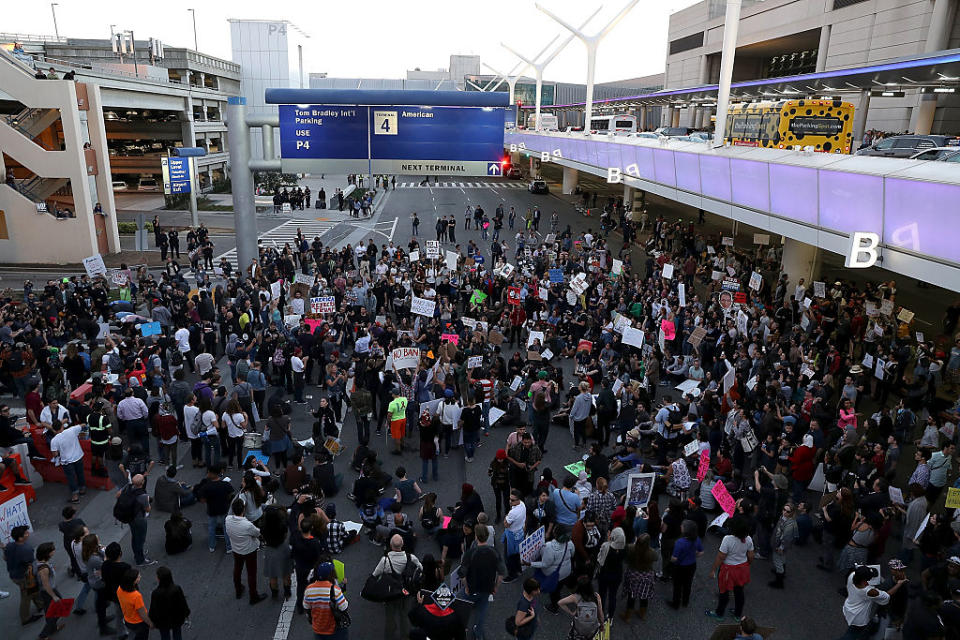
{"points": [[94, 266], [724, 499], [323, 304], [433, 249], [450, 337], [13, 513], [704, 465], [422, 307], [474, 361], [532, 546], [761, 238], [406, 357], [953, 498], [697, 336], [905, 316]]}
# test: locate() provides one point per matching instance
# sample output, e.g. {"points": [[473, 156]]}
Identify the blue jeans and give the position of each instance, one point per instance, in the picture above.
{"points": [[212, 522], [469, 442], [338, 634], [481, 602], [74, 473], [485, 408], [82, 596], [211, 450], [423, 472], [138, 537]]}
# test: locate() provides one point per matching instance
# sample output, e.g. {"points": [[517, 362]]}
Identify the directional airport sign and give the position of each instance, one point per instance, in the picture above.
{"points": [[390, 132], [176, 175]]}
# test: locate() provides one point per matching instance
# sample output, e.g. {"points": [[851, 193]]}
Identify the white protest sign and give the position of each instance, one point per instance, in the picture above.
{"points": [[13, 513], [323, 304], [406, 357], [617, 267], [451, 260], [433, 249], [761, 238], [905, 316], [729, 378], [731, 271], [920, 336], [474, 361], [104, 330], [727, 242], [691, 448], [422, 307], [716, 275], [633, 337], [752, 382], [755, 281], [303, 278], [534, 335], [667, 271], [682, 294], [896, 495], [742, 322], [547, 354], [819, 290], [517, 381], [867, 361], [291, 320], [878, 369], [94, 266], [414, 256], [532, 545], [710, 249], [886, 307], [275, 289]]}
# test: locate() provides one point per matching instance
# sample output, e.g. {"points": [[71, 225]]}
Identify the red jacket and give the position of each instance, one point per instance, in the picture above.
{"points": [[801, 463]]}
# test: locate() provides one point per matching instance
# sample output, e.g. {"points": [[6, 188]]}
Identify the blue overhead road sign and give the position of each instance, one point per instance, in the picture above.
{"points": [[176, 175], [493, 169]]}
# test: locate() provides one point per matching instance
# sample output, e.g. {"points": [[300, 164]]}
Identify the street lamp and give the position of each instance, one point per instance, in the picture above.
{"points": [[591, 43], [53, 10], [538, 67], [194, 14]]}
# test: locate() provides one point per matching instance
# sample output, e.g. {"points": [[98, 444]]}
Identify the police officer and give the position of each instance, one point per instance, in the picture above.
{"points": [[99, 425]]}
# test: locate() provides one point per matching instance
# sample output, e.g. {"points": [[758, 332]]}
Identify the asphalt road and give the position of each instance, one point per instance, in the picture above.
{"points": [[808, 608]]}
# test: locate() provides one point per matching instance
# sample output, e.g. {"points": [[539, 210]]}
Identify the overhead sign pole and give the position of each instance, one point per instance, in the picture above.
{"points": [[241, 178]]}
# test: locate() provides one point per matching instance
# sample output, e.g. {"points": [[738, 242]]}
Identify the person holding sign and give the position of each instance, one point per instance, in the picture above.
{"points": [[733, 561]]}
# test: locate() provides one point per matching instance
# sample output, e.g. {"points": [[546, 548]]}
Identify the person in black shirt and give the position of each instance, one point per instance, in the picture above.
{"points": [[217, 494], [306, 556], [112, 572]]}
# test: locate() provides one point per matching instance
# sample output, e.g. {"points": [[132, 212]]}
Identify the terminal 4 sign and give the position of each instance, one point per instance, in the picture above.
{"points": [[401, 140]]}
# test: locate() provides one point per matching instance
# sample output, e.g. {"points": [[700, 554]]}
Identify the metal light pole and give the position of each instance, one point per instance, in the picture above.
{"points": [[53, 10], [498, 79], [591, 43], [731, 25], [193, 12], [244, 211], [538, 67], [300, 58]]}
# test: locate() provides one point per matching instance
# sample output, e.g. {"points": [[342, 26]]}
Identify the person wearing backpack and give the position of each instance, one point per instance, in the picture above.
{"points": [[483, 570], [320, 598], [586, 608], [131, 508], [395, 561]]}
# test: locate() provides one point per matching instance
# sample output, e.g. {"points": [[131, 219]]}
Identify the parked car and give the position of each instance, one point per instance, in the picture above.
{"points": [[119, 185], [538, 186], [673, 132], [648, 135], [148, 184], [907, 146], [702, 135], [515, 173], [942, 154]]}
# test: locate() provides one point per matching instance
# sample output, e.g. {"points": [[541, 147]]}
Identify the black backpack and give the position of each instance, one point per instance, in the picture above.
{"points": [[136, 464], [412, 576], [126, 507]]}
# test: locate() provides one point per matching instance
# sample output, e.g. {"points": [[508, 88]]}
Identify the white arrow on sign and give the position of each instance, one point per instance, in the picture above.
{"points": [[493, 168]]}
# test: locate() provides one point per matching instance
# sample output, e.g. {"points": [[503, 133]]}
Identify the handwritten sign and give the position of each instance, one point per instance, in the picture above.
{"points": [[474, 361], [556, 275], [761, 238], [450, 337], [617, 267], [724, 499], [905, 316], [94, 266], [414, 256], [896, 495], [691, 448], [532, 546], [422, 307], [406, 357], [697, 336], [13, 513], [576, 467], [323, 304], [433, 249], [633, 337], [953, 498], [704, 465]]}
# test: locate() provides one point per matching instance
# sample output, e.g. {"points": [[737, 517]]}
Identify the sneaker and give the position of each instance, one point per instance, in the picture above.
{"points": [[710, 613], [212, 549], [147, 562], [468, 459], [4, 594]]}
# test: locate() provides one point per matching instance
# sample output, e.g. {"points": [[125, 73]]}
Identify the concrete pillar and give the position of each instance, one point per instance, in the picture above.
{"points": [[675, 121], [627, 196], [532, 167], [570, 179], [188, 132], [921, 120], [97, 130], [824, 47], [860, 119], [938, 34], [799, 260], [642, 122], [668, 118], [241, 177], [704, 69]]}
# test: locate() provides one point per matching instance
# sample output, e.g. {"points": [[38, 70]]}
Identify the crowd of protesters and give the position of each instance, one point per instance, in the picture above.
{"points": [[783, 385]]}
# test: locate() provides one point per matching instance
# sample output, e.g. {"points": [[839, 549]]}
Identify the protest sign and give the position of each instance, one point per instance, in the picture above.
{"points": [[667, 271], [535, 335], [697, 336], [474, 361], [406, 357], [633, 337], [303, 278], [414, 256], [639, 489], [761, 238], [556, 275], [617, 267], [682, 294], [276, 288], [724, 499], [513, 295], [433, 249], [547, 354], [150, 329], [726, 241], [886, 307], [450, 337], [13, 513], [691, 448], [532, 546], [704, 465], [94, 266], [451, 260], [478, 297], [323, 304], [755, 281], [905, 316], [422, 307], [819, 290], [576, 467], [953, 498], [517, 381], [896, 496]]}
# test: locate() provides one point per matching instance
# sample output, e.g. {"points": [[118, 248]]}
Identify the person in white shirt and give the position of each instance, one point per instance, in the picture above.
{"points": [[236, 422], [298, 364], [53, 415], [192, 426], [862, 601], [204, 362], [514, 525], [182, 336], [244, 542], [65, 446], [208, 432]]}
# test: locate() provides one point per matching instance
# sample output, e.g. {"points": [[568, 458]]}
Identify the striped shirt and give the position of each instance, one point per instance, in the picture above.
{"points": [[316, 599]]}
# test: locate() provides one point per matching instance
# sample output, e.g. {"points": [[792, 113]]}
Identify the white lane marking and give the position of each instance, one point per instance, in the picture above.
{"points": [[286, 612]]}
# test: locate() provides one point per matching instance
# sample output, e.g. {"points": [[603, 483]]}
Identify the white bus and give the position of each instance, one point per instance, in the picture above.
{"points": [[548, 122], [617, 125]]}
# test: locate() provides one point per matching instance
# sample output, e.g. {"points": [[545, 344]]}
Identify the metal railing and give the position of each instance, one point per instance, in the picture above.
{"points": [[30, 37]]}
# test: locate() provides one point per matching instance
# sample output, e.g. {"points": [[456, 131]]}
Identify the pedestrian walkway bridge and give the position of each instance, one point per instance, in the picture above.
{"points": [[815, 198]]}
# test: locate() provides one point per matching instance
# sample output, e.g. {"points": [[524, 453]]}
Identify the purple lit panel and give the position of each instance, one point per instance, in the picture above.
{"points": [[793, 192], [917, 217], [688, 171], [665, 171], [566, 147], [850, 201], [715, 177], [644, 160], [606, 156], [751, 184]]}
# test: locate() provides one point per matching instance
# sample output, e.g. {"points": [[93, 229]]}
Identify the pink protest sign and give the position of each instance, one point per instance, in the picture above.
{"points": [[669, 329], [704, 465], [727, 503], [446, 521], [451, 337], [313, 323]]}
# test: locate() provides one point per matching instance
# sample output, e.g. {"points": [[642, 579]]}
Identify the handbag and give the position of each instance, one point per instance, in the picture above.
{"points": [[588, 426], [549, 583], [522, 632], [340, 618], [386, 587]]}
